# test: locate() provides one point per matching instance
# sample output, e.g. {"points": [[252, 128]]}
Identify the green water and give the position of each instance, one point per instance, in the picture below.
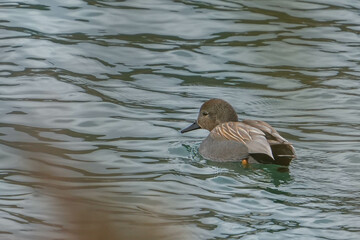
{"points": [[98, 91]]}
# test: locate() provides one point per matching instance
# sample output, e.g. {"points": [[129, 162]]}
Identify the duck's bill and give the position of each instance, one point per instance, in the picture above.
{"points": [[193, 126]]}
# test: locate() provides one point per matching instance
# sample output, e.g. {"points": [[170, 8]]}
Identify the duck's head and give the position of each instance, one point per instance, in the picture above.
{"points": [[212, 113]]}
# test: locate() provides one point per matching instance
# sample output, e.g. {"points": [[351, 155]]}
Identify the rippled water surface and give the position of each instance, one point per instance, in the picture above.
{"points": [[94, 93]]}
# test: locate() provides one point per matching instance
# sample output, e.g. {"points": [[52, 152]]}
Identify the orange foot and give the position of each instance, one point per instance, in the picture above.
{"points": [[244, 162]]}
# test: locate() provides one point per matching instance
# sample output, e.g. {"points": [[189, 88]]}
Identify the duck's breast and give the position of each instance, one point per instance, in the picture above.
{"points": [[222, 149]]}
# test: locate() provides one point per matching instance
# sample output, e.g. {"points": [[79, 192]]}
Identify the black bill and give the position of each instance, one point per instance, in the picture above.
{"points": [[193, 126]]}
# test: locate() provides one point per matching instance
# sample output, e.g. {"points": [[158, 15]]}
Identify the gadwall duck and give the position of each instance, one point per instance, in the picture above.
{"points": [[247, 141]]}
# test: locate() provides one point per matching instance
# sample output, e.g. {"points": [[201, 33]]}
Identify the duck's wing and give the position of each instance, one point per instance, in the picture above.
{"points": [[283, 151], [237, 140]]}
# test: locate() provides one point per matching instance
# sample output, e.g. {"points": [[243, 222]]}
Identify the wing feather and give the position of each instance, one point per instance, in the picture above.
{"points": [[252, 138]]}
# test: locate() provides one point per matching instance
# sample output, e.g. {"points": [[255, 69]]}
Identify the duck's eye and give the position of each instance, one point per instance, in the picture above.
{"points": [[205, 113]]}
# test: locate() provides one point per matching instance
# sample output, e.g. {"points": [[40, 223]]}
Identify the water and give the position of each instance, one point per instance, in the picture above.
{"points": [[93, 95]]}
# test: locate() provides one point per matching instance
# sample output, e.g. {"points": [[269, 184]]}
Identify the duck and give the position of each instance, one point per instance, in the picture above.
{"points": [[247, 141]]}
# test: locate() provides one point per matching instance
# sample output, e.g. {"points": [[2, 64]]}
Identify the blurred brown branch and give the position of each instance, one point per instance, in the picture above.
{"points": [[83, 217]]}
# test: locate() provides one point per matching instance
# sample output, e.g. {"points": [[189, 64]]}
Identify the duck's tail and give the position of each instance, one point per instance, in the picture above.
{"points": [[283, 153]]}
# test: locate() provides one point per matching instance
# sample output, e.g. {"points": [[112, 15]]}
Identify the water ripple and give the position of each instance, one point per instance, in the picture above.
{"points": [[93, 95]]}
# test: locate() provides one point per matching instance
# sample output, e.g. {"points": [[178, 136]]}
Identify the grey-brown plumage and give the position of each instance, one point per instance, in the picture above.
{"points": [[231, 140]]}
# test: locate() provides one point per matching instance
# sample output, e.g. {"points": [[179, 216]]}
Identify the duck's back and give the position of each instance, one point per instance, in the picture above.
{"points": [[249, 139], [234, 141]]}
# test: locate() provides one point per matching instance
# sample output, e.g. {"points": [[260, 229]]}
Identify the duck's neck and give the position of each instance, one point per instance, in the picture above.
{"points": [[231, 116]]}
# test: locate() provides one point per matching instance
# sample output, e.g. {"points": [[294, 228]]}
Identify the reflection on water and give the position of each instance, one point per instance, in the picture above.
{"points": [[97, 91]]}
